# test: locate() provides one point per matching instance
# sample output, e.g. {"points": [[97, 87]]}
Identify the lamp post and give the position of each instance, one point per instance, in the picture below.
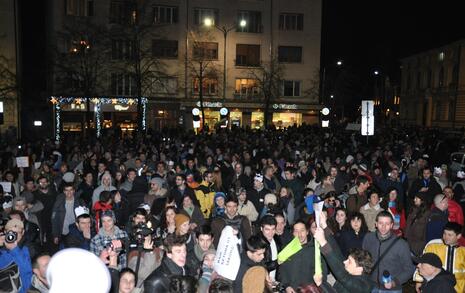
{"points": [[323, 99], [208, 22]]}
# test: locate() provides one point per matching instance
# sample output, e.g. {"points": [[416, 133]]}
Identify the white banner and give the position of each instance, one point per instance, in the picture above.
{"points": [[227, 259], [22, 162], [6, 186], [368, 118]]}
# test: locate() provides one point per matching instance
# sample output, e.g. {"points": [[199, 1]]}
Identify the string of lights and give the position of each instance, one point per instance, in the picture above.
{"points": [[57, 101]]}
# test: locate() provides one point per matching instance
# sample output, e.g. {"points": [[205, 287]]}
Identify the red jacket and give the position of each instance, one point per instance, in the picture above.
{"points": [[455, 212], [98, 208]]}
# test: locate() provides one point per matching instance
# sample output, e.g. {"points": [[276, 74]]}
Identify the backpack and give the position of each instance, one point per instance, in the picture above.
{"points": [[10, 281]]}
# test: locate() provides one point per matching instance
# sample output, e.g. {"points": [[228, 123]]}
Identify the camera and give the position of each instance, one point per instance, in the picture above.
{"points": [[10, 236], [140, 231]]}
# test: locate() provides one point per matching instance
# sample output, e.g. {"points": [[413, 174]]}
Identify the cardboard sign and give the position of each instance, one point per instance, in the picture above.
{"points": [[37, 165], [227, 258], [22, 162], [6, 187]]}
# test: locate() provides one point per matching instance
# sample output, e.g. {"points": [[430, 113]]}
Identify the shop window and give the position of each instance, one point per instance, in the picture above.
{"points": [[80, 7], [253, 21], [291, 21], [282, 120], [247, 55], [247, 88], [289, 54], [236, 118], [291, 88], [200, 14], [257, 120], [205, 51], [122, 50], [123, 84], [165, 48], [165, 14], [210, 86], [164, 85]]}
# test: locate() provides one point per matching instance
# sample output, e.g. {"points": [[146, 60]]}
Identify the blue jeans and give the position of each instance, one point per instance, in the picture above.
{"points": [[376, 290]]}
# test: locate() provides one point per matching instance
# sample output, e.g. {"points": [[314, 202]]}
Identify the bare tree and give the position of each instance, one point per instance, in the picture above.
{"points": [[269, 78], [137, 27], [202, 67], [81, 60], [8, 83]]}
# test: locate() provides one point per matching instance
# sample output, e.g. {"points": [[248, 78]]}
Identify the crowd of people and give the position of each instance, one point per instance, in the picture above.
{"points": [[154, 210]]}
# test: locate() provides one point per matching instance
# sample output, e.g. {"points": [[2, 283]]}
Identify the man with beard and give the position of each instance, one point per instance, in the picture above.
{"points": [[47, 195]]}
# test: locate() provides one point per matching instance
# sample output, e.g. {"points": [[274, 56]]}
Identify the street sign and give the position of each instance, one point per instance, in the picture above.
{"points": [[368, 118]]}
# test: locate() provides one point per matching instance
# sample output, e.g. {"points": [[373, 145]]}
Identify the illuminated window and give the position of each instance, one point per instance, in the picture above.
{"points": [[246, 87], [210, 86]]}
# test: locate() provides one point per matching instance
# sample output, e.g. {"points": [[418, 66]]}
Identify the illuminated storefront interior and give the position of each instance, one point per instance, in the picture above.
{"points": [[282, 120]]}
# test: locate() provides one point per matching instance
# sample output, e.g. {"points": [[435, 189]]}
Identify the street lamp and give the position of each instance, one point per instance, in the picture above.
{"points": [[208, 22]]}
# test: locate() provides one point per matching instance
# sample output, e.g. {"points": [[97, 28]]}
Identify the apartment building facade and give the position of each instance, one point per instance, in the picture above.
{"points": [[433, 87], [9, 63], [164, 50]]}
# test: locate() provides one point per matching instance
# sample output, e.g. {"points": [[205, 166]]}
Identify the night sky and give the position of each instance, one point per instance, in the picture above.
{"points": [[376, 34]]}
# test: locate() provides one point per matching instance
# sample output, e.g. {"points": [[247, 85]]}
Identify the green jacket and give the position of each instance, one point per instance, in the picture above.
{"points": [[345, 282]]}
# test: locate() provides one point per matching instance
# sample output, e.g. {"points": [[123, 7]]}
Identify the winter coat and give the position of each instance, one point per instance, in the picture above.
{"points": [[455, 212], [196, 216], [239, 222], [136, 195], [178, 196], [355, 200], [348, 240], [247, 209], [433, 189], [397, 261], [20, 257], [436, 222], [345, 282], [299, 269], [370, 214], [205, 194], [297, 188], [443, 282], [257, 197], [75, 238], [59, 213], [159, 280], [415, 230]]}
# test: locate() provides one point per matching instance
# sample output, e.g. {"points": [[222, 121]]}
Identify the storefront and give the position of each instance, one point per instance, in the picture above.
{"points": [[252, 114], [105, 113]]}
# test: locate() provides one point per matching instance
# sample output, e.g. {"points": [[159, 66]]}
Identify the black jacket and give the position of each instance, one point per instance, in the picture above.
{"points": [[345, 282], [257, 197], [136, 195], [159, 280], [444, 282], [269, 263], [246, 263]]}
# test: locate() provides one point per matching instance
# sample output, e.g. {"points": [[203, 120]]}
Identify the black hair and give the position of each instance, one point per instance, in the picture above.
{"points": [[35, 264], [357, 215], [255, 243], [362, 259], [221, 286], [204, 230], [19, 213], [300, 221], [268, 220], [131, 170], [68, 184], [361, 179], [455, 227], [173, 240], [105, 196]]}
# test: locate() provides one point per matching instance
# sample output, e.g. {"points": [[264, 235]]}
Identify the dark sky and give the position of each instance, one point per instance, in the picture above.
{"points": [[376, 34]]}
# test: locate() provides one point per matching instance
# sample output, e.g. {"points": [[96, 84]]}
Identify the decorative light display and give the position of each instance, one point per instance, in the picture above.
{"points": [[98, 102]]}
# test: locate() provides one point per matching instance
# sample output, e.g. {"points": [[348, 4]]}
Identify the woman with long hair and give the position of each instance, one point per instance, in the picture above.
{"points": [[393, 205], [415, 229], [167, 223], [353, 236]]}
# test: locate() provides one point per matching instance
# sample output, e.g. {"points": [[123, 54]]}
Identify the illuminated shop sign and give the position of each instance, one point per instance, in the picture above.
{"points": [[285, 106], [211, 104]]}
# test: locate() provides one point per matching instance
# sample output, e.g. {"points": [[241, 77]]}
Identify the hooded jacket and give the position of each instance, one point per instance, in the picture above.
{"points": [[98, 190]]}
